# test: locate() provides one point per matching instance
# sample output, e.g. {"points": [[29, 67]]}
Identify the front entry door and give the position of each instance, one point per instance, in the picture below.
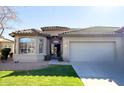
{"points": [[55, 50], [55, 47]]}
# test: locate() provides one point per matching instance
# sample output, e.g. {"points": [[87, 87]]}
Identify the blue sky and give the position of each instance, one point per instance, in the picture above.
{"points": [[71, 16]]}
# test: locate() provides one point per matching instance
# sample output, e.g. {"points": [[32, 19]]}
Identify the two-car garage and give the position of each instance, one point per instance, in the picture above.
{"points": [[95, 44], [92, 51]]}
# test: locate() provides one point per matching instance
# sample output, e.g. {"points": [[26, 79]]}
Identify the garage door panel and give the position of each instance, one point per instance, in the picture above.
{"points": [[93, 51]]}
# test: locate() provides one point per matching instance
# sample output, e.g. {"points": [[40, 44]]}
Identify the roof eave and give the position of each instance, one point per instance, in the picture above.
{"points": [[93, 35], [29, 34]]}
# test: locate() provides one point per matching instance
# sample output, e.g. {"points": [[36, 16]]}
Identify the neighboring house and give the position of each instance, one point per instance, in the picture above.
{"points": [[93, 44], [6, 43]]}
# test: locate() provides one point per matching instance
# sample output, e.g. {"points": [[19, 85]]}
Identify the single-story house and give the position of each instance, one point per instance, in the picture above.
{"points": [[92, 44], [6, 43]]}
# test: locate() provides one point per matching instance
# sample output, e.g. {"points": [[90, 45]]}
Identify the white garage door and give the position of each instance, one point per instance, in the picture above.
{"points": [[92, 52]]}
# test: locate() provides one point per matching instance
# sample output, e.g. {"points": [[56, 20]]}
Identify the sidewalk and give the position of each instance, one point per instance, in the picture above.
{"points": [[56, 62], [22, 65]]}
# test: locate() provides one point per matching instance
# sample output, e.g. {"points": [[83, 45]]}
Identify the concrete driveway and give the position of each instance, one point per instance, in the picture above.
{"points": [[98, 74]]}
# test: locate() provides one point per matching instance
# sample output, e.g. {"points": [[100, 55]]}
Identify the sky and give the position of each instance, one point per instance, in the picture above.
{"points": [[69, 16]]}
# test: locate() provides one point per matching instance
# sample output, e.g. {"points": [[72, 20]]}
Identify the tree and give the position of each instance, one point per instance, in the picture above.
{"points": [[4, 53], [6, 14]]}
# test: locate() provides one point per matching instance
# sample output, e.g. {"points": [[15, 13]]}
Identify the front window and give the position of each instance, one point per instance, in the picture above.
{"points": [[26, 45]]}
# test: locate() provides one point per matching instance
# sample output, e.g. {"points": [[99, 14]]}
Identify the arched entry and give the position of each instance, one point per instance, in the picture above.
{"points": [[55, 47]]}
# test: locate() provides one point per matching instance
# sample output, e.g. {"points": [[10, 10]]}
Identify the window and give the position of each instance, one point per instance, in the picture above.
{"points": [[40, 46], [26, 45]]}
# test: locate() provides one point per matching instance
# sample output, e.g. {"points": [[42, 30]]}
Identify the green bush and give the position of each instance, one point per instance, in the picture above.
{"points": [[4, 53], [47, 57], [60, 59]]}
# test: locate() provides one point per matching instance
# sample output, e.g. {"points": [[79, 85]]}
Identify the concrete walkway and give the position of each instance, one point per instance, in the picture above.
{"points": [[10, 65], [56, 62], [95, 74], [23, 65]]}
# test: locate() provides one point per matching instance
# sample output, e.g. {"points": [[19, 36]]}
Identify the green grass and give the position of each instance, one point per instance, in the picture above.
{"points": [[54, 75]]}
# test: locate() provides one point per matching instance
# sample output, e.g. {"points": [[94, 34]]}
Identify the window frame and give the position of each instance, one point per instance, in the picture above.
{"points": [[26, 47]]}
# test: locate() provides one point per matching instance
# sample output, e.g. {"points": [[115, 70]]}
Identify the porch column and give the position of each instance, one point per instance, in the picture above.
{"points": [[36, 45], [17, 45]]}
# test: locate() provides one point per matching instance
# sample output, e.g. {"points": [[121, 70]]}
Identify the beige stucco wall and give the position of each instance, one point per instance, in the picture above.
{"points": [[54, 33], [119, 45], [31, 57]]}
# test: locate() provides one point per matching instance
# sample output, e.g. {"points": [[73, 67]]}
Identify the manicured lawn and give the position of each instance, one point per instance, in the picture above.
{"points": [[54, 75]]}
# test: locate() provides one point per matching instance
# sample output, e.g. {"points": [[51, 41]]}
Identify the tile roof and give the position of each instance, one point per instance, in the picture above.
{"points": [[54, 28], [93, 30], [27, 31], [96, 30]]}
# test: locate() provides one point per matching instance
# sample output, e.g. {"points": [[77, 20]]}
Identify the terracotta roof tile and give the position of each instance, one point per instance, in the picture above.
{"points": [[54, 28], [27, 31]]}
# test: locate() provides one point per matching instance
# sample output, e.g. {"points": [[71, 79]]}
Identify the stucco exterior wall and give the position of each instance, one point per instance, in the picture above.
{"points": [[54, 33], [119, 45]]}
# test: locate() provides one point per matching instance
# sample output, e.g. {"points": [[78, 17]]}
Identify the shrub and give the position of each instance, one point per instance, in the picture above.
{"points": [[60, 59], [47, 57], [4, 53]]}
